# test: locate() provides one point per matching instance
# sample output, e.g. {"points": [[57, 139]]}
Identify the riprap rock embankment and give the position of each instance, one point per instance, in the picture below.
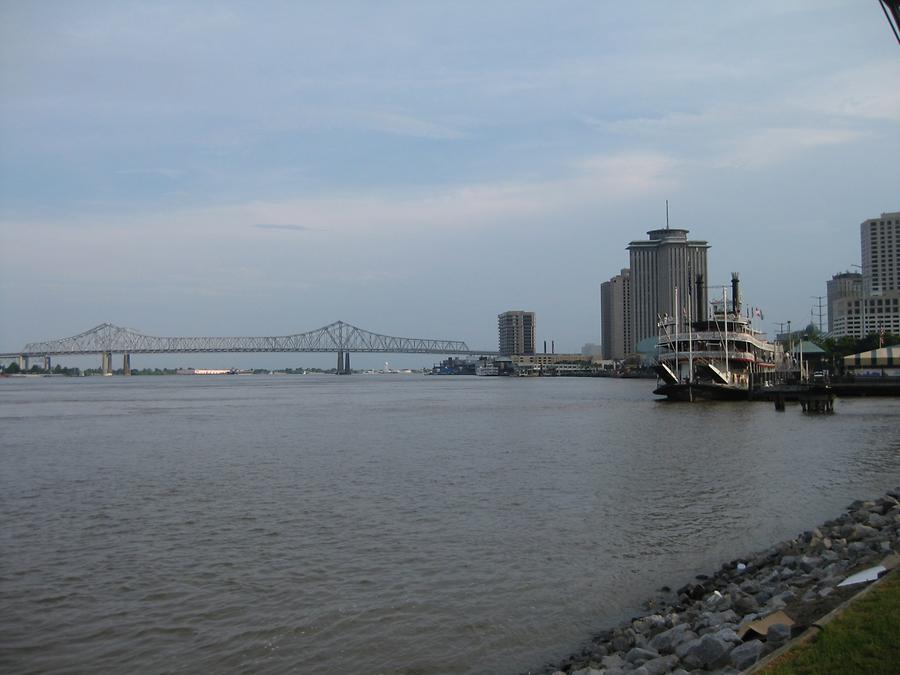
{"points": [[701, 627]]}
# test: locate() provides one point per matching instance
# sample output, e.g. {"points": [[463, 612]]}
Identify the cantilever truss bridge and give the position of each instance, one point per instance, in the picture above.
{"points": [[342, 338]]}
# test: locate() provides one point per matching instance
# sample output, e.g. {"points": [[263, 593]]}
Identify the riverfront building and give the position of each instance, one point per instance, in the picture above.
{"points": [[842, 286], [615, 316], [665, 261], [875, 304], [516, 332]]}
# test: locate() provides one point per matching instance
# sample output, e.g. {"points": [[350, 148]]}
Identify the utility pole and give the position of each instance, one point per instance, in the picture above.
{"points": [[819, 298]]}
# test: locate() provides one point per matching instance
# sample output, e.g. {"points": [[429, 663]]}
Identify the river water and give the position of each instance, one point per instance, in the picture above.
{"points": [[385, 524]]}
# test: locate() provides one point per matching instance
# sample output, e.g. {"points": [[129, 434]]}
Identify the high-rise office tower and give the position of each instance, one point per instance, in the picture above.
{"points": [[880, 239], [615, 316], [875, 307], [516, 332], [665, 261]]}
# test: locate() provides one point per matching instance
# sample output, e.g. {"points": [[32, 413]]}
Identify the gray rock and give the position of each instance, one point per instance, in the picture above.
{"points": [[622, 642], [709, 652], [638, 655], [745, 604], [750, 587], [858, 547], [728, 616], [649, 625], [683, 648], [778, 634], [877, 520], [612, 661], [728, 635], [666, 641], [660, 665], [862, 532], [588, 671], [772, 578], [789, 561], [775, 603], [745, 655], [809, 563]]}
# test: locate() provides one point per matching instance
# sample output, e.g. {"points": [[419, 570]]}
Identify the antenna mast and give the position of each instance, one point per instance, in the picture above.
{"points": [[819, 298]]}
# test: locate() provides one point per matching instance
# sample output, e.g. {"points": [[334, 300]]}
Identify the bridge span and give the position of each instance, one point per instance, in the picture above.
{"points": [[343, 338]]}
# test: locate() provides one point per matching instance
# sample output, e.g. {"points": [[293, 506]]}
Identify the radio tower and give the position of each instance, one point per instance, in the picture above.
{"points": [[819, 298]]}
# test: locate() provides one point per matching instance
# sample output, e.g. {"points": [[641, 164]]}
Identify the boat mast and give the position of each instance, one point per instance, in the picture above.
{"points": [[677, 365], [725, 313], [690, 328]]}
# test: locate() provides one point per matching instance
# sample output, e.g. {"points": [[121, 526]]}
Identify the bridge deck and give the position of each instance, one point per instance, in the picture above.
{"points": [[335, 337]]}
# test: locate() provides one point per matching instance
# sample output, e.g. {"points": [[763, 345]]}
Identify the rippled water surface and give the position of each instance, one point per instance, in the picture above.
{"points": [[385, 524]]}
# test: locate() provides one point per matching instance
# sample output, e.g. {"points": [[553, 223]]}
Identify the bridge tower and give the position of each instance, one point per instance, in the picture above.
{"points": [[343, 363], [47, 362], [23, 362], [126, 364], [106, 363]]}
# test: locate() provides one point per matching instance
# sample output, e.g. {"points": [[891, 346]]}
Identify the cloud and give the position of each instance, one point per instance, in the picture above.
{"points": [[164, 172], [290, 228], [586, 184], [773, 145], [865, 93], [400, 124]]}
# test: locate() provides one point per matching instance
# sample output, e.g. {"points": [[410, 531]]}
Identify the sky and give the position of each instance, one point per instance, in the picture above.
{"points": [[416, 168]]}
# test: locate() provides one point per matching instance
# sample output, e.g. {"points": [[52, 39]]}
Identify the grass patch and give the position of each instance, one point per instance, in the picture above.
{"points": [[865, 638]]}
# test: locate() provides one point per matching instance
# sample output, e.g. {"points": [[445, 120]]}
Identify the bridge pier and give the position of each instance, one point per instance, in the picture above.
{"points": [[343, 363], [106, 363], [46, 363], [126, 364], [23, 362]]}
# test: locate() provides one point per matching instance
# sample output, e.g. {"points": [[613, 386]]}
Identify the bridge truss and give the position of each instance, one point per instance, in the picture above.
{"points": [[336, 337]]}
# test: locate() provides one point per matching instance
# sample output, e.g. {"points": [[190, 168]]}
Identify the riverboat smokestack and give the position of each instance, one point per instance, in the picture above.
{"points": [[545, 346], [701, 306], [735, 293]]}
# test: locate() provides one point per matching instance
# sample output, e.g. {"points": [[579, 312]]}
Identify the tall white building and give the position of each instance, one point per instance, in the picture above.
{"points": [[876, 306], [666, 260], [880, 239]]}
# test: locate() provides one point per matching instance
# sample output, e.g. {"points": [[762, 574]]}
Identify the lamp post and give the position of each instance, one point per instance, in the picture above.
{"points": [[863, 301]]}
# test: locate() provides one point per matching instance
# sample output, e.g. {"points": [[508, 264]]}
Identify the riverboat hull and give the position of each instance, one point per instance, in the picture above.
{"points": [[700, 391]]}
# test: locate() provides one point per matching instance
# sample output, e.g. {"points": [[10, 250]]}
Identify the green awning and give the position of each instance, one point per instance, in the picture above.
{"points": [[886, 357], [809, 348]]}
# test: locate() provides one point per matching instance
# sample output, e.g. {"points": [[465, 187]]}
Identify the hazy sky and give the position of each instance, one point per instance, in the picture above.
{"points": [[415, 168]]}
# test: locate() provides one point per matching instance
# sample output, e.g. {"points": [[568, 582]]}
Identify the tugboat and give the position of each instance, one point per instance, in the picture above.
{"points": [[720, 358]]}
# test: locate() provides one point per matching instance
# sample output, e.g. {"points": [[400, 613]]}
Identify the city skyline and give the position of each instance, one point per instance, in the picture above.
{"points": [[211, 170]]}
